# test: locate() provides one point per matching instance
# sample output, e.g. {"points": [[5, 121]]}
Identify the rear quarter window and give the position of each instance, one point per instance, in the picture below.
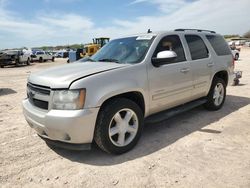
{"points": [[219, 45]]}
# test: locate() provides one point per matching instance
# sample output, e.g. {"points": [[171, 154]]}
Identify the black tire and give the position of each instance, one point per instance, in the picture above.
{"points": [[17, 63], [2, 66], [28, 61], [105, 120], [211, 104], [236, 56], [40, 59], [53, 59]]}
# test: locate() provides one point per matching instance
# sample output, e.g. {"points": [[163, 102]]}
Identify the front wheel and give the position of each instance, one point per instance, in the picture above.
{"points": [[28, 61], [119, 126], [217, 94], [236, 57]]}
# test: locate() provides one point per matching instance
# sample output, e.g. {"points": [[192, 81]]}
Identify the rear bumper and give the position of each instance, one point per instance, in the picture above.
{"points": [[68, 126]]}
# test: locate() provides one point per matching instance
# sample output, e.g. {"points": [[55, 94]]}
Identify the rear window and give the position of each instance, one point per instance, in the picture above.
{"points": [[219, 45], [197, 47]]}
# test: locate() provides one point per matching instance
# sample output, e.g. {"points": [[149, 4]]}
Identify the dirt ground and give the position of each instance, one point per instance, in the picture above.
{"points": [[195, 149]]}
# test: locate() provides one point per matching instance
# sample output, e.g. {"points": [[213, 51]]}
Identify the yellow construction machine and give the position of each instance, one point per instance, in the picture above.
{"points": [[91, 49]]}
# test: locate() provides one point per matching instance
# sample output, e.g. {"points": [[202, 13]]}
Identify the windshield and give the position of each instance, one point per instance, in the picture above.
{"points": [[125, 50]]}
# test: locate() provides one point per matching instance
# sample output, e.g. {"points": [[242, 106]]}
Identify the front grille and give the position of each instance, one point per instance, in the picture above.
{"points": [[40, 104], [38, 95], [40, 89]]}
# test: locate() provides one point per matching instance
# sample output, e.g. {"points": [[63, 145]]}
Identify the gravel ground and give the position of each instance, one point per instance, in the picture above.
{"points": [[195, 149]]}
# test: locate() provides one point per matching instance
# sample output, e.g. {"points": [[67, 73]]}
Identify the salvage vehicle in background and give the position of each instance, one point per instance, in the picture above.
{"points": [[106, 99], [42, 56], [14, 57]]}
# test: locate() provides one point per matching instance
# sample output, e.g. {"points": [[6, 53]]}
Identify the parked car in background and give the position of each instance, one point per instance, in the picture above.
{"points": [[62, 54], [236, 53], [42, 56], [14, 57], [59, 54], [247, 44]]}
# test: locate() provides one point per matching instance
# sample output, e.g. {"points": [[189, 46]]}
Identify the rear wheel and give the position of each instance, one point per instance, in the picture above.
{"points": [[17, 63], [28, 61], [216, 95], [53, 59], [236, 56], [119, 126], [40, 59]]}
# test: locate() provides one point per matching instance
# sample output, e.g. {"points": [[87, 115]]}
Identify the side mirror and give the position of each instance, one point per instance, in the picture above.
{"points": [[164, 57]]}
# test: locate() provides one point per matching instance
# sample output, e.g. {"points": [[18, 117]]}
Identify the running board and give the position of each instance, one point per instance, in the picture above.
{"points": [[161, 116]]}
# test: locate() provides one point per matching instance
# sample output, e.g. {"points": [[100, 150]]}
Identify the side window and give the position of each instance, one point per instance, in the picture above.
{"points": [[171, 42], [219, 45], [91, 50], [197, 47]]}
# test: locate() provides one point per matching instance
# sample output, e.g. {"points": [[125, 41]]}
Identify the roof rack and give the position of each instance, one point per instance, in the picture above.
{"points": [[198, 30]]}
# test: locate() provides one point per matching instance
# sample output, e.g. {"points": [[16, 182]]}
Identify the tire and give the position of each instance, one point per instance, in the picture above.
{"points": [[217, 95], [40, 59], [124, 136], [17, 63], [53, 59], [236, 56], [28, 61], [2, 66]]}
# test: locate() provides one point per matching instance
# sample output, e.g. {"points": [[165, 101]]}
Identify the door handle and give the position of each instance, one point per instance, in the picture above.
{"points": [[210, 64], [185, 70]]}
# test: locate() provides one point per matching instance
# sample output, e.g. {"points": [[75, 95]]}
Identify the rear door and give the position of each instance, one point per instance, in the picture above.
{"points": [[170, 84], [201, 63]]}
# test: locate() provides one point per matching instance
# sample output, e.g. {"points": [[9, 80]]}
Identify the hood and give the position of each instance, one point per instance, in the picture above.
{"points": [[63, 76]]}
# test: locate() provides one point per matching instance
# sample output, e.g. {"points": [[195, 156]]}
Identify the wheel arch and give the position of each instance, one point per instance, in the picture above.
{"points": [[223, 74], [135, 96]]}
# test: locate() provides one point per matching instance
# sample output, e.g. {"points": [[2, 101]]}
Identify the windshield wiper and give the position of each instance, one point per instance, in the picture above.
{"points": [[109, 60]]}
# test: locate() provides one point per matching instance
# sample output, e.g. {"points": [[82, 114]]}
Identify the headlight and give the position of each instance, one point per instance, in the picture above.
{"points": [[68, 99]]}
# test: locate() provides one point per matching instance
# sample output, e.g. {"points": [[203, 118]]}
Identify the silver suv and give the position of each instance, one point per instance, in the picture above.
{"points": [[107, 97]]}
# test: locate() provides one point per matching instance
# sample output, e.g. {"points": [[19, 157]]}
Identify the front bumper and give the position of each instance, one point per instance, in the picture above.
{"points": [[69, 126]]}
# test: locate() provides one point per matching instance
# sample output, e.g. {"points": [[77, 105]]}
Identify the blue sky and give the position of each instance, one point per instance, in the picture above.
{"points": [[54, 22]]}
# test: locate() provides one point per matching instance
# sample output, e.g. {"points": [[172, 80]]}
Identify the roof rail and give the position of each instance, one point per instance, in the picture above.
{"points": [[198, 30]]}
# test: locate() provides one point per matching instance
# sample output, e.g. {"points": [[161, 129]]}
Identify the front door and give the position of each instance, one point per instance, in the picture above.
{"points": [[170, 84]]}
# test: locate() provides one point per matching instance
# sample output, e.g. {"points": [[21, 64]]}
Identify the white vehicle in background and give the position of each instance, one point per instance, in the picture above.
{"points": [[247, 44], [42, 56], [236, 53]]}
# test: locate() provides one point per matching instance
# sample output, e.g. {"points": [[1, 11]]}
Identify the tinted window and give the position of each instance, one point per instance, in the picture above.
{"points": [[219, 45], [91, 50], [171, 42], [40, 53], [197, 47]]}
